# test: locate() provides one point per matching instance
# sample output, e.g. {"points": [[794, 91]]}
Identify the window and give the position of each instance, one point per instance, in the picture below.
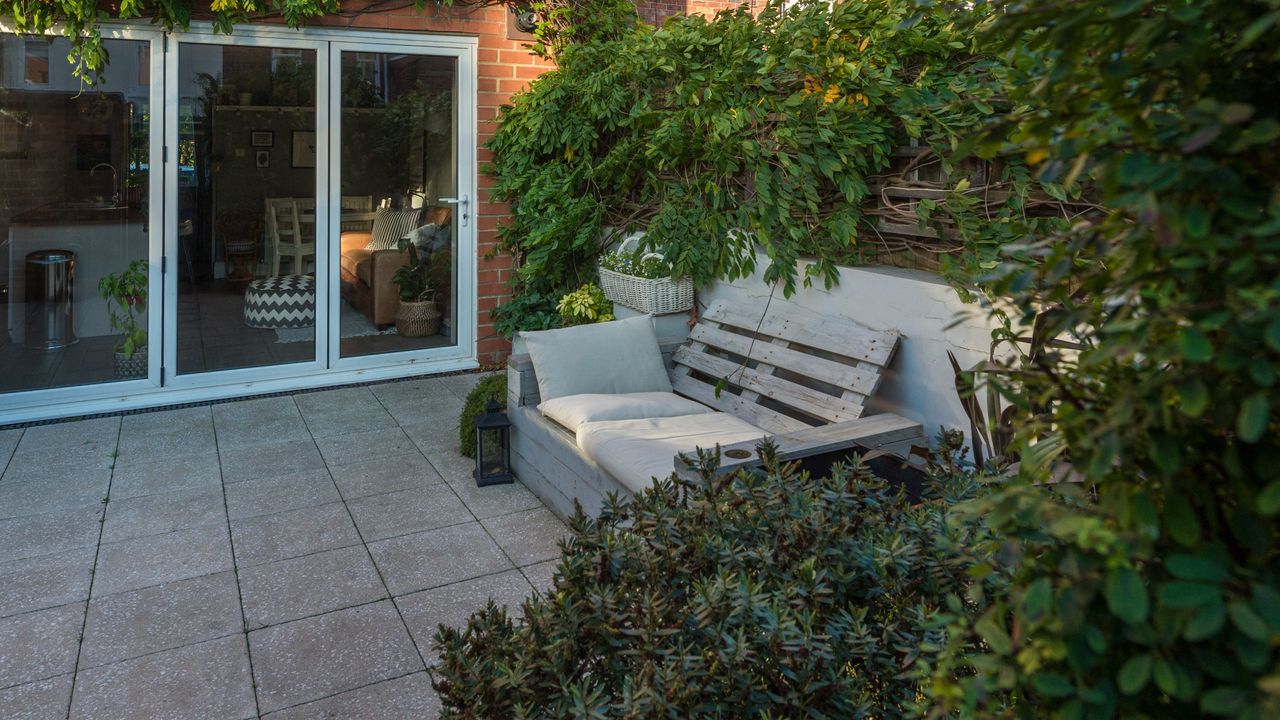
{"points": [[37, 53]]}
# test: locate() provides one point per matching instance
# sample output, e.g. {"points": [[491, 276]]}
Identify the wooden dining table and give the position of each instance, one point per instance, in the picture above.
{"points": [[309, 216]]}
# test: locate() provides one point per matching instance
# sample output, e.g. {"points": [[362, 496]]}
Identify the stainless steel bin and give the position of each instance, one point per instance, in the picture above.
{"points": [[50, 297]]}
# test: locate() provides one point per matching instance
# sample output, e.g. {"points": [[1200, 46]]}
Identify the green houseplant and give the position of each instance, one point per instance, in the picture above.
{"points": [[418, 315], [126, 296]]}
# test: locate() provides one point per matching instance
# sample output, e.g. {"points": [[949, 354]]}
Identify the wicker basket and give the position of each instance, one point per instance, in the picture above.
{"points": [[418, 319], [657, 296]]}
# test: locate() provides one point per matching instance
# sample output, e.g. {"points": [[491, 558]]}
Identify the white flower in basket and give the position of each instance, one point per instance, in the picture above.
{"points": [[656, 296]]}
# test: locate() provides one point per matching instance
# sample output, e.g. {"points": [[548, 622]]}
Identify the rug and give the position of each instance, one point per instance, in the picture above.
{"points": [[352, 322]]}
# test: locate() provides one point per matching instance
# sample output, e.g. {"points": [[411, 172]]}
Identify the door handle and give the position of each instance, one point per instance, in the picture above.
{"points": [[464, 208]]}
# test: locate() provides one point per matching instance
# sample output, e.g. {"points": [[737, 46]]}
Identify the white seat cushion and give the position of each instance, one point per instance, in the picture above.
{"points": [[572, 411], [636, 451]]}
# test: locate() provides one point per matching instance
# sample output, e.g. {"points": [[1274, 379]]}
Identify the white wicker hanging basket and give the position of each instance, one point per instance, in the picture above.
{"points": [[656, 296]]}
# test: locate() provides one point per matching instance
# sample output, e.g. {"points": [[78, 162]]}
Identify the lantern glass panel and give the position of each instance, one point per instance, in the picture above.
{"points": [[491, 455]]}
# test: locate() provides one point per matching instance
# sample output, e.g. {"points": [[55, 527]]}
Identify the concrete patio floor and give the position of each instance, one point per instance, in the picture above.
{"points": [[285, 557]]}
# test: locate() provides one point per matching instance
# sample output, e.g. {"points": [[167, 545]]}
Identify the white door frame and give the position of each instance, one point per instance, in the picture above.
{"points": [[464, 128], [16, 406]]}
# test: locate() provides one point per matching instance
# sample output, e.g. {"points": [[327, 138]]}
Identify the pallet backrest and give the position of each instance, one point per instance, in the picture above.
{"points": [[784, 372]]}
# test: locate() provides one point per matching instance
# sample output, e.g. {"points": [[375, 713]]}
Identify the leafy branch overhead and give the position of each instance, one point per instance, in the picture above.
{"points": [[715, 135]]}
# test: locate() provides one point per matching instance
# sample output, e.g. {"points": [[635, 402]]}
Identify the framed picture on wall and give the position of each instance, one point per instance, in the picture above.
{"points": [[262, 159], [262, 138], [304, 149]]}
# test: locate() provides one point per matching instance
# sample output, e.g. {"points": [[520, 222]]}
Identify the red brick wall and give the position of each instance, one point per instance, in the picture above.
{"points": [[505, 67]]}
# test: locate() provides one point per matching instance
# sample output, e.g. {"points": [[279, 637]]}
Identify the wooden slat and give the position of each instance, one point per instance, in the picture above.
{"points": [[806, 400], [844, 337], [868, 432], [758, 415], [828, 371]]}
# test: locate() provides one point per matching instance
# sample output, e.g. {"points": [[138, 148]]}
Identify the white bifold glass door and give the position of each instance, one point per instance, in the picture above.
{"points": [[318, 193]]}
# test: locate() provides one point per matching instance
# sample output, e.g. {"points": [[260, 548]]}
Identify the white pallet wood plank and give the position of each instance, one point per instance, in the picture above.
{"points": [[758, 415], [844, 338], [860, 380], [806, 400], [872, 432]]}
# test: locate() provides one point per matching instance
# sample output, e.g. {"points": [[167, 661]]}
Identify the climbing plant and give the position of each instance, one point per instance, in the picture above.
{"points": [[718, 135], [1151, 586]]}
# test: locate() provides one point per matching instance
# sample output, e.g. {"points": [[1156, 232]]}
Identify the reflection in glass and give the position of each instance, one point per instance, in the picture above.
{"points": [[398, 237], [246, 206], [74, 178]]}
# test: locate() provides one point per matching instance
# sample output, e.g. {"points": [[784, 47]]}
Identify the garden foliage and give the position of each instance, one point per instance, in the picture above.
{"points": [[761, 594], [713, 135], [491, 387], [1152, 588]]}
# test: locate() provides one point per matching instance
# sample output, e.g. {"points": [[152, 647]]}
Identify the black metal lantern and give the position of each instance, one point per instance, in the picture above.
{"points": [[493, 447]]}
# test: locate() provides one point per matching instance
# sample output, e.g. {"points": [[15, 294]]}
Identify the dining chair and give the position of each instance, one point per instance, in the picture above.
{"points": [[357, 203], [285, 232]]}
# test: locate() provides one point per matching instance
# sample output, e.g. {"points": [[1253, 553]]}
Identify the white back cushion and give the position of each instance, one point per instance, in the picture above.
{"points": [[621, 356]]}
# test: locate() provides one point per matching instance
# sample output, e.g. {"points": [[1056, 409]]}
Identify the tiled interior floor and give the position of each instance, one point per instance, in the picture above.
{"points": [[286, 557]]}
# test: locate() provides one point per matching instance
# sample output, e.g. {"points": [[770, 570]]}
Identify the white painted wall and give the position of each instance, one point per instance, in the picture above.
{"points": [[922, 307]]}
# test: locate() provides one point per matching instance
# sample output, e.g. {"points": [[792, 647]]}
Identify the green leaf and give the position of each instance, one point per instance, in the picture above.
{"points": [[1195, 346], [1223, 701], [993, 632], [1197, 567], [1206, 623], [1247, 621], [1266, 602], [1180, 520], [1052, 684], [1178, 594], [1269, 499], [1251, 423], [1134, 674], [1196, 221], [1194, 397], [1127, 596], [1166, 678], [1271, 335], [1036, 600]]}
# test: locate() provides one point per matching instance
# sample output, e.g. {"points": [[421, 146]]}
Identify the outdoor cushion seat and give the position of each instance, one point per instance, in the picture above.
{"points": [[573, 411], [636, 451], [350, 259]]}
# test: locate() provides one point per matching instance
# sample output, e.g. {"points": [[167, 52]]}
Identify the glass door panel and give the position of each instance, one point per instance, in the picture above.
{"points": [[75, 224], [397, 191], [246, 161]]}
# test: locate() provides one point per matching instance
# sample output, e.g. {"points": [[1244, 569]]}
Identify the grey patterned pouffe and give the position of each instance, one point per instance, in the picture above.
{"points": [[283, 301]]}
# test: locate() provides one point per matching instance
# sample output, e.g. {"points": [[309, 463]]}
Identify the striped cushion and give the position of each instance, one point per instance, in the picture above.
{"points": [[391, 225]]}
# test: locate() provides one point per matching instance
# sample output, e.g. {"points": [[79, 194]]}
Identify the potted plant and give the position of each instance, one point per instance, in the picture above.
{"points": [[418, 315], [126, 296]]}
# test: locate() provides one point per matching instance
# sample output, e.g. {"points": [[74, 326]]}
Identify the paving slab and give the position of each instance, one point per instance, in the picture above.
{"points": [[89, 443], [542, 575], [309, 585], [357, 447], [410, 697], [35, 496], [494, 500], [45, 581], [245, 433], [157, 559], [188, 473], [407, 511], [269, 495], [40, 644], [50, 533], [8, 442], [327, 654], [528, 537], [385, 474], [162, 617], [41, 700], [269, 460], [453, 604], [159, 514], [437, 557], [268, 538], [207, 681], [170, 444]]}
